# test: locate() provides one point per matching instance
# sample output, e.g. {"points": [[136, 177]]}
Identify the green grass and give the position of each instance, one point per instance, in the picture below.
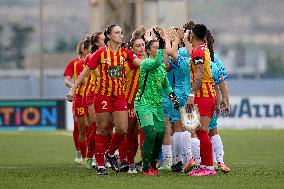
{"points": [[46, 160]]}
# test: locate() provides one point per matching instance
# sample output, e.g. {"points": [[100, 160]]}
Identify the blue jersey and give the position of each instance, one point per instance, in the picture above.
{"points": [[183, 52], [216, 65], [181, 74], [221, 66], [179, 79], [216, 75]]}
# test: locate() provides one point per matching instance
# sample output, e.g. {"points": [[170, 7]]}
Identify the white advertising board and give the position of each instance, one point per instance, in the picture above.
{"points": [[254, 112]]}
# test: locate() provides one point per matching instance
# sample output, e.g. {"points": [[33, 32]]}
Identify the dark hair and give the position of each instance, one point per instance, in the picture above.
{"points": [[132, 41], [87, 42], [200, 31], [149, 44], [94, 40], [210, 42], [79, 48], [108, 31], [139, 32], [188, 26]]}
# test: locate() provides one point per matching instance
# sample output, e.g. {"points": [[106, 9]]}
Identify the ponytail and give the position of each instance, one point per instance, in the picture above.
{"points": [[94, 40], [210, 42]]}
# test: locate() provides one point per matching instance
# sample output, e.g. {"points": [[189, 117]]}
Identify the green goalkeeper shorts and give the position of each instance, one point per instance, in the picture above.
{"points": [[150, 116]]}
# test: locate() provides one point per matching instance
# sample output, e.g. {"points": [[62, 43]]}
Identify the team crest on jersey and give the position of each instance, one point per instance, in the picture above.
{"points": [[115, 72]]}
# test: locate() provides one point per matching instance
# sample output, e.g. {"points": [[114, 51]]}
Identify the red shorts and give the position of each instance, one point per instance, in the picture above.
{"points": [[79, 106], [206, 105], [104, 103], [73, 107], [85, 105], [90, 98], [131, 112]]}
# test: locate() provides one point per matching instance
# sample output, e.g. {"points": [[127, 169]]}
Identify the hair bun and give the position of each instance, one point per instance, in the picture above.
{"points": [[139, 32]]}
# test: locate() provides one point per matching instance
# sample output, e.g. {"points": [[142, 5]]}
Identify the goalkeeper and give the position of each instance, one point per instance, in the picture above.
{"points": [[148, 101]]}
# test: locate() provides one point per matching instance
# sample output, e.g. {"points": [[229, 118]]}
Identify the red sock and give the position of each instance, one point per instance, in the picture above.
{"points": [[115, 142], [109, 137], [205, 148], [91, 141], [88, 132], [142, 136], [100, 145], [130, 147], [83, 146], [122, 151], [76, 135], [135, 144]]}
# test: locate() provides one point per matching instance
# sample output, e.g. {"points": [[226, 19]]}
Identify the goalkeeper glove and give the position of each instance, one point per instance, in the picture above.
{"points": [[174, 99], [162, 43]]}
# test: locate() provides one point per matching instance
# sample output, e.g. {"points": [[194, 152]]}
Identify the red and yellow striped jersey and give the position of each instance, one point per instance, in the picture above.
{"points": [[111, 68], [78, 68], [201, 55], [91, 78], [131, 82], [69, 70]]}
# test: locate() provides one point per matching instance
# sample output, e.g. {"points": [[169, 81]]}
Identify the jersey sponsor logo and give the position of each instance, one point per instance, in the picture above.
{"points": [[122, 60], [107, 61], [115, 71]]}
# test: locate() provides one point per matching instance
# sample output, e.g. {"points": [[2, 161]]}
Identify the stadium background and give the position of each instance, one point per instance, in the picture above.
{"points": [[38, 38], [36, 45]]}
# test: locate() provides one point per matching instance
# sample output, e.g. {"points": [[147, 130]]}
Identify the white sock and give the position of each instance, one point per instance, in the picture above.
{"points": [[167, 154], [218, 148], [187, 154], [195, 147], [210, 167], [173, 155], [177, 146], [94, 162], [214, 154]]}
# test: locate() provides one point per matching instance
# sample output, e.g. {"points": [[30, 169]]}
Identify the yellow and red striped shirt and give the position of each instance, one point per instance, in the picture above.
{"points": [[201, 55], [131, 82], [69, 70], [111, 68], [82, 90]]}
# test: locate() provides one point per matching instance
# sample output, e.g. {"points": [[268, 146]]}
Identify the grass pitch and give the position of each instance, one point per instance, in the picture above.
{"points": [[46, 160]]}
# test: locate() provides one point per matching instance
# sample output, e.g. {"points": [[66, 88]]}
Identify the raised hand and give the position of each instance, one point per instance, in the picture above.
{"points": [[148, 35], [186, 35]]}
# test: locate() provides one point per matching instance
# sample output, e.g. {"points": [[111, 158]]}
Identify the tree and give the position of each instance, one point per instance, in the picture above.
{"points": [[64, 45], [275, 63], [19, 41], [61, 45]]}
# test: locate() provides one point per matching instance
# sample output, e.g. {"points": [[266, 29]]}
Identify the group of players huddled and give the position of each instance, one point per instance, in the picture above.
{"points": [[138, 88]]}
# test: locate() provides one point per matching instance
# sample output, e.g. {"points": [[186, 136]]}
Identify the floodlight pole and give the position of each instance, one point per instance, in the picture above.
{"points": [[41, 58]]}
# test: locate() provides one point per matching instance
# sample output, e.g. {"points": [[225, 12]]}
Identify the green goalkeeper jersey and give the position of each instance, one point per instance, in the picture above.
{"points": [[152, 81]]}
